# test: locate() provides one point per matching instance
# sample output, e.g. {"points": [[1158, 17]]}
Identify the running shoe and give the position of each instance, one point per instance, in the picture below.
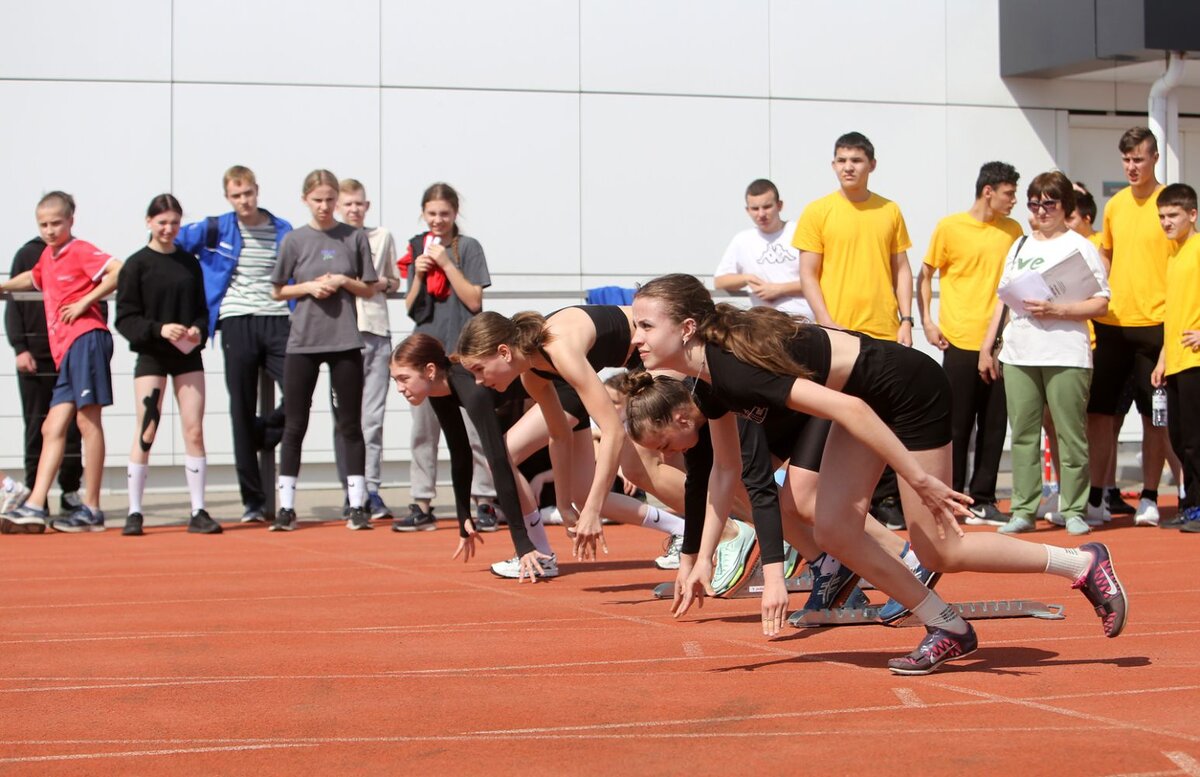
{"points": [[551, 516], [285, 520], [670, 559], [82, 520], [791, 561], [254, 514], [14, 497], [734, 559], [1056, 518], [1190, 520], [416, 520], [833, 582], [1077, 526], [986, 514], [133, 525], [893, 611], [938, 647], [23, 520], [1116, 502], [359, 519], [1048, 506], [511, 568], [1097, 515], [1018, 524], [376, 506], [1100, 585], [1147, 513], [69, 502], [485, 517], [889, 512], [200, 522]]}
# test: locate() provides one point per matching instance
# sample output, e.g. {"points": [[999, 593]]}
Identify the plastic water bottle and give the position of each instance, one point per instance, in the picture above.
{"points": [[1158, 407]]}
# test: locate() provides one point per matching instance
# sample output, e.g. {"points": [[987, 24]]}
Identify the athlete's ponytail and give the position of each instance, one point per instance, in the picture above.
{"points": [[525, 333]]}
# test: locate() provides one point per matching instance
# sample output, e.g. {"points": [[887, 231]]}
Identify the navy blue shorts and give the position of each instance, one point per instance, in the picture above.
{"points": [[84, 377]]}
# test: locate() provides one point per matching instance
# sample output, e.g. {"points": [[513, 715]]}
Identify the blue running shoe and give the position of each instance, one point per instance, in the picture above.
{"points": [[893, 611], [23, 520], [832, 583], [81, 520], [938, 647], [376, 506]]}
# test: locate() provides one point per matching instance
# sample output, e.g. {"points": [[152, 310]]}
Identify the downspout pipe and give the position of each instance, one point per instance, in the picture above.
{"points": [[1164, 117]]}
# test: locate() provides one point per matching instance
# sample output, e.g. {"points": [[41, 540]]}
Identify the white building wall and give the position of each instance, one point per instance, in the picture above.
{"points": [[593, 141]]}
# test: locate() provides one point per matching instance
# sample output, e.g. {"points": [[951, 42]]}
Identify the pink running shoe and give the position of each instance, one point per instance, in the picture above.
{"points": [[1102, 588], [938, 647]]}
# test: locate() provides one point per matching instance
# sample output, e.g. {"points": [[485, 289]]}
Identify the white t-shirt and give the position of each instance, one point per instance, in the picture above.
{"points": [[770, 256], [1029, 342]]}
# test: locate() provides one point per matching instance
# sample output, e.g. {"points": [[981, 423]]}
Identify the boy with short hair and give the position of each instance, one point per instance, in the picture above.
{"points": [[73, 276], [1178, 368], [373, 324]]}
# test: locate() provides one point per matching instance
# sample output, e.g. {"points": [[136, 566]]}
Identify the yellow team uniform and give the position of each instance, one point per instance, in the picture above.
{"points": [[856, 241], [1139, 260], [1096, 239], [1183, 306], [969, 256]]}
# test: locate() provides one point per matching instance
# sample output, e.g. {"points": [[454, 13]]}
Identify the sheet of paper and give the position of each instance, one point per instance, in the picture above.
{"points": [[1027, 285], [1071, 280]]}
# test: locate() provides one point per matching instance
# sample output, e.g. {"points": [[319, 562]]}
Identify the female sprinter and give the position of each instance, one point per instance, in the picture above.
{"points": [[161, 311], [571, 345], [868, 388], [323, 265], [422, 371]]}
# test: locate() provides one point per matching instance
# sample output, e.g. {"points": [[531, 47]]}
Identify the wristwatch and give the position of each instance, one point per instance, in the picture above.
{"points": [[909, 319]]}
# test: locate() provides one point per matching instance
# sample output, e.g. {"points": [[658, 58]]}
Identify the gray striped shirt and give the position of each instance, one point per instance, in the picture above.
{"points": [[249, 292]]}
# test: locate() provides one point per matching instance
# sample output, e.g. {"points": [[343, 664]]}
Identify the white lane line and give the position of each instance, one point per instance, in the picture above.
{"points": [[692, 649], [908, 697], [240, 599], [144, 753], [1190, 766]]}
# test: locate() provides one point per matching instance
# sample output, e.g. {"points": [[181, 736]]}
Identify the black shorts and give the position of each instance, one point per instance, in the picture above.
{"points": [[164, 364], [905, 388], [1121, 352], [798, 439], [572, 404]]}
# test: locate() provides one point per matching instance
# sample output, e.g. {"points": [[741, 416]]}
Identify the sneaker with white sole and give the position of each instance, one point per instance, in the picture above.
{"points": [[670, 559], [1100, 585], [1077, 525], [82, 520], [1147, 513], [734, 559], [511, 568], [1019, 524], [938, 647], [24, 520], [1098, 515], [551, 516], [985, 514], [14, 497], [1056, 518]]}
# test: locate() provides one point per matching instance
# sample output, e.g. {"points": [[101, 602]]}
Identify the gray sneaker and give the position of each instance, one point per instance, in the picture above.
{"points": [[82, 520], [1018, 524], [1077, 526], [254, 515], [24, 520]]}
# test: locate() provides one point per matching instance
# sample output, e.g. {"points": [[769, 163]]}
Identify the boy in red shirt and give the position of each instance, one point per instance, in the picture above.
{"points": [[73, 276]]}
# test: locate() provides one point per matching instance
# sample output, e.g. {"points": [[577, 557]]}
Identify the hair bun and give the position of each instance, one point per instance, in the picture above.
{"points": [[636, 382]]}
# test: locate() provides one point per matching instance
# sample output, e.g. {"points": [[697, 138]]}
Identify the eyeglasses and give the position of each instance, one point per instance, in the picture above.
{"points": [[1046, 205]]}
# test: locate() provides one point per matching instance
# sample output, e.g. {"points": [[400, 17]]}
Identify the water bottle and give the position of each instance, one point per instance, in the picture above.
{"points": [[1158, 407]]}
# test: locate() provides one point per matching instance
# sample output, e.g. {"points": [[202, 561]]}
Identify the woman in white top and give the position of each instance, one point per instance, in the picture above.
{"points": [[1047, 359]]}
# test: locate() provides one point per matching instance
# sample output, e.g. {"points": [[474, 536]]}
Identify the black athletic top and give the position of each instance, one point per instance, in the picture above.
{"points": [[155, 289], [480, 404], [613, 340], [750, 391]]}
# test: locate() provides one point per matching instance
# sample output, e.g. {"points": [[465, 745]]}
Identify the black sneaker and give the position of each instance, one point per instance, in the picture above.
{"points": [[887, 511], [133, 525], [358, 519], [938, 647], [284, 521], [1176, 521], [1117, 504], [485, 517], [202, 523], [254, 514], [416, 520]]}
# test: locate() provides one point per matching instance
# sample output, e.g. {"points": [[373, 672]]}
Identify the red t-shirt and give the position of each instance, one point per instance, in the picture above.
{"points": [[64, 278]]}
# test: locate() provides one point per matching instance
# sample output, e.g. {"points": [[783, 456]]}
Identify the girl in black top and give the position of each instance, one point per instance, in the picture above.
{"points": [[161, 311], [763, 358], [570, 344], [421, 370]]}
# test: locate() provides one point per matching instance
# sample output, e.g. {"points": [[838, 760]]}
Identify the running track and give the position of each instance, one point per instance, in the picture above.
{"points": [[335, 652]]}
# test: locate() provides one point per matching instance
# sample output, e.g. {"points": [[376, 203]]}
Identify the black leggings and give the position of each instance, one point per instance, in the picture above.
{"points": [[299, 381]]}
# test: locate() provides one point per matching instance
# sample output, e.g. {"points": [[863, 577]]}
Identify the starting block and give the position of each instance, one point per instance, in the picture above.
{"points": [[995, 608], [753, 585]]}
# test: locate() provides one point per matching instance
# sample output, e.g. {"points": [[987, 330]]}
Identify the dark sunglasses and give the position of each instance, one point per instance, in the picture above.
{"points": [[1046, 205]]}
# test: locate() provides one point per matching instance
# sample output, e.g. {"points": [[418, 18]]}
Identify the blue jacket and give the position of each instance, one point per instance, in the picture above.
{"points": [[219, 256]]}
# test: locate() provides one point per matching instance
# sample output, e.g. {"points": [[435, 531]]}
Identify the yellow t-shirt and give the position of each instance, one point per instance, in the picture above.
{"points": [[856, 241], [1139, 250], [1096, 239], [1183, 305], [969, 256]]}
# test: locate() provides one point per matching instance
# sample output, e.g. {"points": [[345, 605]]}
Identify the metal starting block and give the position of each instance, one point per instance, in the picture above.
{"points": [[994, 608], [753, 586]]}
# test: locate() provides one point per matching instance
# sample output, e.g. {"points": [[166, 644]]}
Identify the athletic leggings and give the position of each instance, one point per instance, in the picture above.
{"points": [[299, 381]]}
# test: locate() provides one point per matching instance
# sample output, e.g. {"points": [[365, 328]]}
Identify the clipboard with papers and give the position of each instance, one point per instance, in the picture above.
{"points": [[1071, 280]]}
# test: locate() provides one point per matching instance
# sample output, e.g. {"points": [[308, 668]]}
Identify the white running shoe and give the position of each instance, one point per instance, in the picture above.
{"points": [[1048, 505], [1098, 515], [1056, 518], [670, 559], [1147, 513], [551, 516], [511, 569], [15, 497]]}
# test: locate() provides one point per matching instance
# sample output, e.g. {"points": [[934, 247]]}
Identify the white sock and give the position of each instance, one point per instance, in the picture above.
{"points": [[663, 521], [536, 528], [136, 474], [9, 484], [287, 492], [933, 611], [1070, 563], [195, 471], [356, 490], [909, 557]]}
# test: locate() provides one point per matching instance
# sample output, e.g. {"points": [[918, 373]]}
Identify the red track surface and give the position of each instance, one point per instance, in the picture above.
{"points": [[335, 652]]}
